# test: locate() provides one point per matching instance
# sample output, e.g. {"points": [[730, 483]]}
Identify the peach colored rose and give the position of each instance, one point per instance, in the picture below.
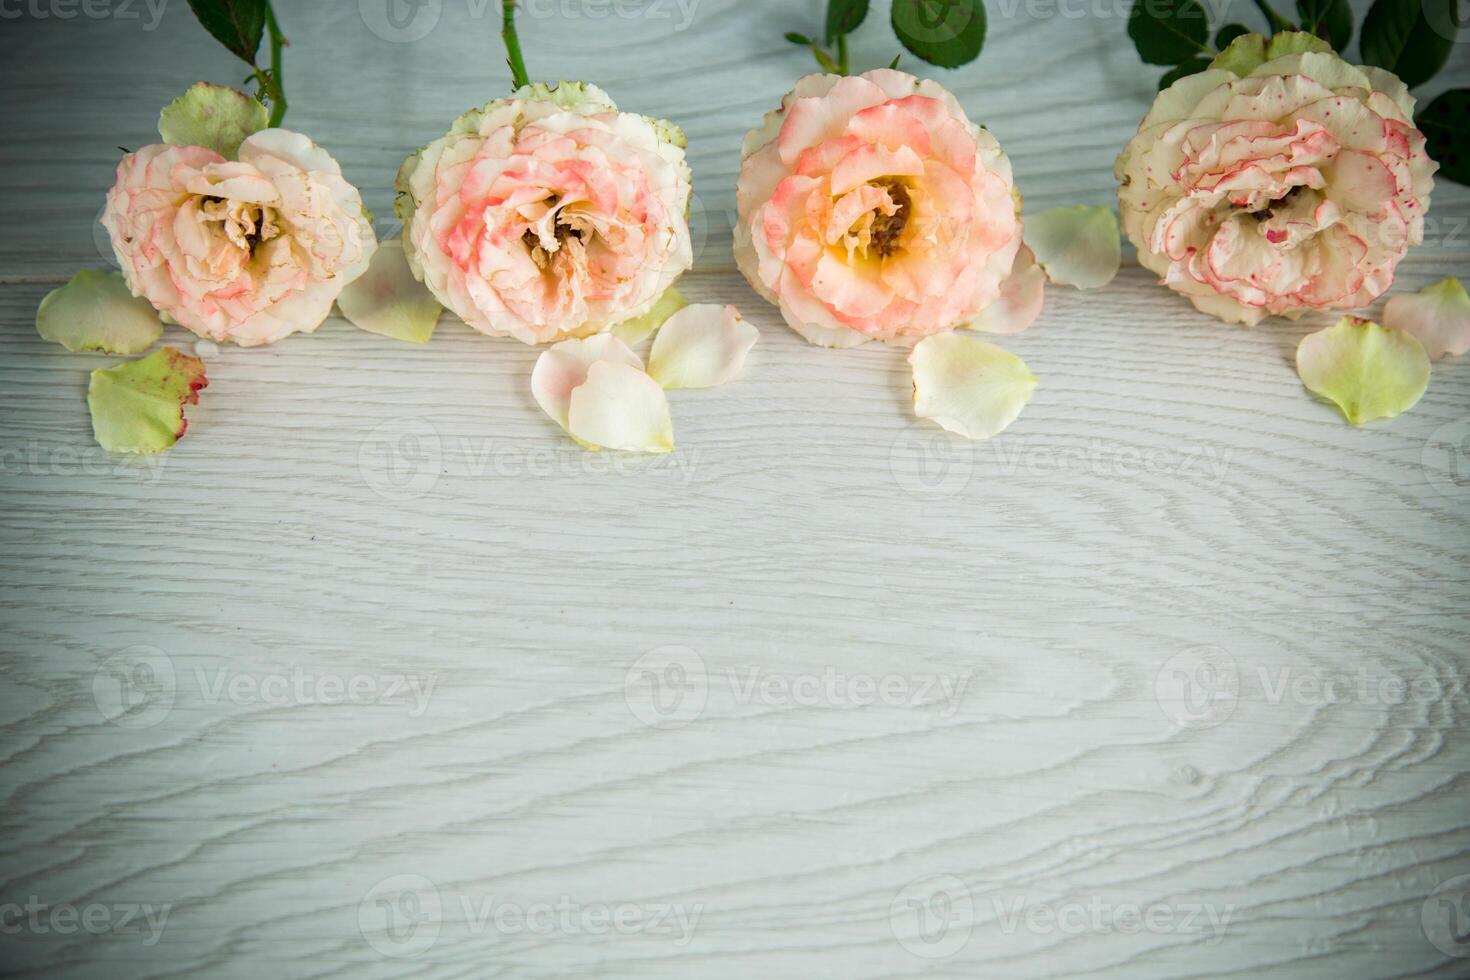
{"points": [[871, 208], [248, 250], [1277, 187], [548, 215]]}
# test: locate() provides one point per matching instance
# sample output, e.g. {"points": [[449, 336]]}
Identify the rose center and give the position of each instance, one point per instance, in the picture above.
{"points": [[245, 224], [887, 229]]}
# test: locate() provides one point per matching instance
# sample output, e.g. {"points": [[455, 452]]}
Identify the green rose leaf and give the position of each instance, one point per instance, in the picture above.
{"points": [[1191, 67], [1229, 33], [97, 312], [237, 24], [1411, 38], [947, 33], [138, 407], [1168, 32], [1331, 20], [1368, 371], [1445, 123], [800, 39], [844, 17], [214, 116], [387, 300]]}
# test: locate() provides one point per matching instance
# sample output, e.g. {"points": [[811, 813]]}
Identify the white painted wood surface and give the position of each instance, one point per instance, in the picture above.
{"points": [[374, 674]]}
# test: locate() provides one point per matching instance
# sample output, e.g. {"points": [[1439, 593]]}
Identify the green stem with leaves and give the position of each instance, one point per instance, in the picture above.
{"points": [[277, 87], [513, 56]]}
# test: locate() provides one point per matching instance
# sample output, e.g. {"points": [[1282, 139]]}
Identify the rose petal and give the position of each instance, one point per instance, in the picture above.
{"points": [[633, 332], [388, 300], [702, 346], [620, 407], [1022, 295], [1369, 371], [968, 386], [212, 116], [97, 312], [1077, 246], [1438, 315], [563, 367], [138, 407]]}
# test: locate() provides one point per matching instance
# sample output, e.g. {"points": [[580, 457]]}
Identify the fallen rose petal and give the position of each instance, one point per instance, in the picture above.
{"points": [[633, 332], [1077, 246], [212, 116], [1438, 315], [701, 346], [968, 386], [1022, 296], [388, 300], [97, 312], [1369, 371], [563, 367], [138, 407], [621, 407]]}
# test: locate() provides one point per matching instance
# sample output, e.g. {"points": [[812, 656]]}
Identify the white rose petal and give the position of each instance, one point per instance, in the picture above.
{"points": [[968, 386], [1438, 315], [563, 367], [389, 301], [1077, 246], [701, 346], [620, 407]]}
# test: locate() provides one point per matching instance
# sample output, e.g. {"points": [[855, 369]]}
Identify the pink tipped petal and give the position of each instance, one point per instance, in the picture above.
{"points": [[701, 346], [1439, 315], [563, 367], [1022, 295]]}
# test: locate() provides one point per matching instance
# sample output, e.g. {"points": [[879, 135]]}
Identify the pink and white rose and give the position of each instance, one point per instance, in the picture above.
{"points": [[871, 208], [248, 250], [1277, 187], [548, 215]]}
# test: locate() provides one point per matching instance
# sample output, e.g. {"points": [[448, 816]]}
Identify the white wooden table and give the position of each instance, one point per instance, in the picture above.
{"points": [[376, 674]]}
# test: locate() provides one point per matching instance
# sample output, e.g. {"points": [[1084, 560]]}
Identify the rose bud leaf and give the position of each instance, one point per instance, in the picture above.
{"points": [[620, 407], [701, 346], [1022, 295], [388, 300], [844, 17], [1331, 20], [633, 332], [96, 312], [1166, 32], [1447, 133], [237, 24], [212, 116], [1077, 246], [968, 386], [562, 368], [138, 407], [1411, 38], [946, 33], [1368, 371], [1438, 315]]}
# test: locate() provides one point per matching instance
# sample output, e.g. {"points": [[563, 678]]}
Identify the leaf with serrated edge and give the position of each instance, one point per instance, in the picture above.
{"points": [[701, 346], [138, 407], [968, 386], [1368, 371], [214, 117], [97, 313]]}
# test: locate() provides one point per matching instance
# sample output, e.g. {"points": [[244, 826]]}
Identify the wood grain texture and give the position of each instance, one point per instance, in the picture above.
{"points": [[376, 675]]}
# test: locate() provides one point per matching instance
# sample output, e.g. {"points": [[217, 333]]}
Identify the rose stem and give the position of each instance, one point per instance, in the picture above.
{"points": [[512, 40]]}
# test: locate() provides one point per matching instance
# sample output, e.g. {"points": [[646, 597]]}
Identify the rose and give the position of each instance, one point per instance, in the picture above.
{"points": [[548, 215], [249, 250], [1277, 186], [872, 208]]}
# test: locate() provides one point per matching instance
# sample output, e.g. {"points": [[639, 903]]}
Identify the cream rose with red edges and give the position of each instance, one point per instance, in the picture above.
{"points": [[871, 208], [548, 215], [1278, 187], [249, 250]]}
